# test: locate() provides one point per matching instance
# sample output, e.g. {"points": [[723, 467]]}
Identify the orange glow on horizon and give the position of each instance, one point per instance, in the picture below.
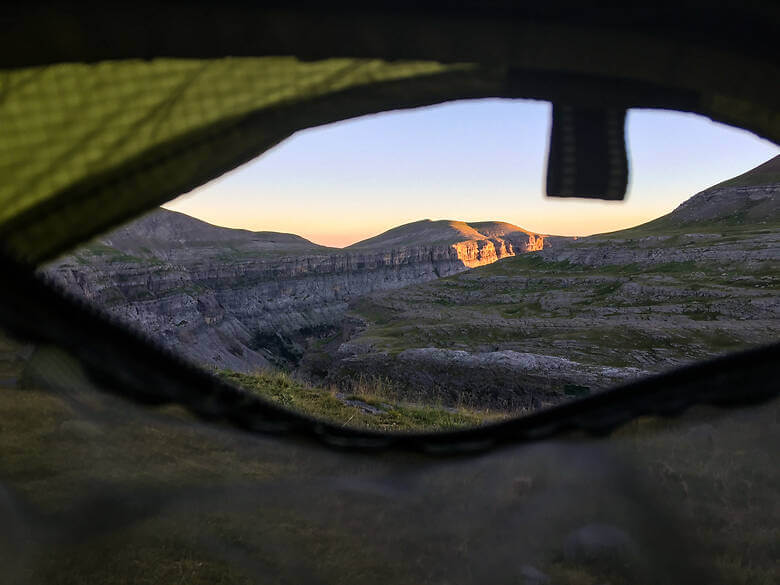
{"points": [[350, 230]]}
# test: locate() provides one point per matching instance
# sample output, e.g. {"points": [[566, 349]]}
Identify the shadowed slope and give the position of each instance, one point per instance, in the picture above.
{"points": [[158, 233]]}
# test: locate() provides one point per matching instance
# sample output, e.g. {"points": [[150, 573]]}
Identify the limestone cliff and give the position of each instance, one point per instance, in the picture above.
{"points": [[236, 299]]}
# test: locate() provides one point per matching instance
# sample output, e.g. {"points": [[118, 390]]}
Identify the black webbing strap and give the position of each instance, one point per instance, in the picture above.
{"points": [[587, 156]]}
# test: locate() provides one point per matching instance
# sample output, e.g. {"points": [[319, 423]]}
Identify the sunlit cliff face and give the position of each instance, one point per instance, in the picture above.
{"points": [[534, 243], [475, 253]]}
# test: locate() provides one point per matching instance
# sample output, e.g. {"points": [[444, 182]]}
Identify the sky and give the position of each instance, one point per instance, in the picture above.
{"points": [[475, 160]]}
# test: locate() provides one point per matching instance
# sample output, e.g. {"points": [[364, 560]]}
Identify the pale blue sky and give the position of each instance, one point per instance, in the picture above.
{"points": [[472, 160]]}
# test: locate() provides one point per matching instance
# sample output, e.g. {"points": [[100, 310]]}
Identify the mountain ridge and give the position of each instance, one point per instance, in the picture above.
{"points": [[164, 229], [766, 173], [242, 300], [442, 230], [743, 201], [167, 228]]}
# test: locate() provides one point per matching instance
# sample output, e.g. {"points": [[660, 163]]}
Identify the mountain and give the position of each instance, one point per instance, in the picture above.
{"points": [[736, 221], [581, 315], [241, 300], [483, 313], [475, 244], [746, 200], [767, 173], [421, 232], [446, 231], [170, 235]]}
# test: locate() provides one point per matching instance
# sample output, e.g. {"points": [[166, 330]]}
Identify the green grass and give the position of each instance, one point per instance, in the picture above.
{"points": [[665, 226], [520, 310], [523, 264], [701, 315], [324, 403], [112, 255], [374, 312]]}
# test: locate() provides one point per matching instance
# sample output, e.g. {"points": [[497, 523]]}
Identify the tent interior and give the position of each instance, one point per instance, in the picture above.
{"points": [[122, 463]]}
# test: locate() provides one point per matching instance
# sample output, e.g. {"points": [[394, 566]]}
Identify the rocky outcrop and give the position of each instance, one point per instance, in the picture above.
{"points": [[731, 224], [749, 249], [752, 204]]}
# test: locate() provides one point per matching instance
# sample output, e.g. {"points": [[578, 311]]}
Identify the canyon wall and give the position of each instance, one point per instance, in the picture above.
{"points": [[240, 309], [473, 253]]}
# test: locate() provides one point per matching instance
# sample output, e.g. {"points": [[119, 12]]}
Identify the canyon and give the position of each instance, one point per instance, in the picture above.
{"points": [[481, 314], [240, 300]]}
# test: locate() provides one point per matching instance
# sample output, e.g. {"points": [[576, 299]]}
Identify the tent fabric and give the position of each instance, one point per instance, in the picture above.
{"points": [[85, 145], [498, 31], [105, 114]]}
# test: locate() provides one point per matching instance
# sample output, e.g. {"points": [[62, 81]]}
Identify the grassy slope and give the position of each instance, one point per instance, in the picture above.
{"points": [[767, 173], [764, 174], [347, 409], [666, 226]]}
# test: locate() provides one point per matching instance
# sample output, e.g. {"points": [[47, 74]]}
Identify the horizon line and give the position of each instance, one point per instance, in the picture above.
{"points": [[467, 222]]}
